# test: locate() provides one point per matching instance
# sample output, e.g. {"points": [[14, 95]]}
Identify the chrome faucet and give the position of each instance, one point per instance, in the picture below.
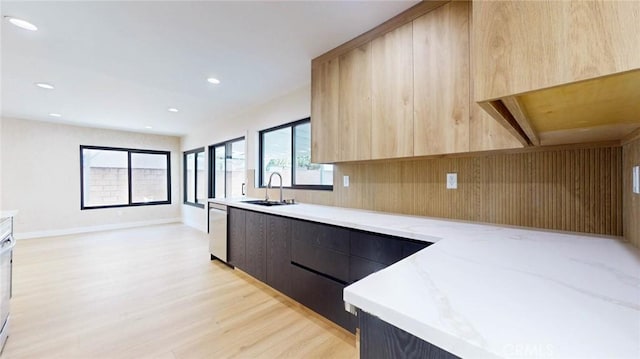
{"points": [[266, 190]]}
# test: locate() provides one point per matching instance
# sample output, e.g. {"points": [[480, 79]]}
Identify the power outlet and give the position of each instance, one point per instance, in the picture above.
{"points": [[452, 181], [636, 179], [345, 181]]}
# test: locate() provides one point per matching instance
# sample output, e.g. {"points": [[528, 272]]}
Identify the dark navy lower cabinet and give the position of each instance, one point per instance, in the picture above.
{"points": [[236, 237], [256, 245], [372, 252], [308, 261], [361, 267], [381, 340], [279, 253]]}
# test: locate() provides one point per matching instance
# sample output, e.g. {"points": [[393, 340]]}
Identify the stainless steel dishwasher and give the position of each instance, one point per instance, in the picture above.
{"points": [[218, 231], [6, 259]]}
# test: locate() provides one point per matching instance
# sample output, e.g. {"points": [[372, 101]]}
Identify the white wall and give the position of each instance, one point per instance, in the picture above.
{"points": [[291, 107], [40, 172]]}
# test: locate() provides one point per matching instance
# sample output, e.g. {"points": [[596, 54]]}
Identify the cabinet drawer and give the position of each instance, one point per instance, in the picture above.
{"points": [[360, 268], [381, 249], [322, 295], [323, 260], [322, 235]]}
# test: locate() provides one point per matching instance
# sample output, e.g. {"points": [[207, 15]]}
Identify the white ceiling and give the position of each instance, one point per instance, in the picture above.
{"points": [[122, 64]]}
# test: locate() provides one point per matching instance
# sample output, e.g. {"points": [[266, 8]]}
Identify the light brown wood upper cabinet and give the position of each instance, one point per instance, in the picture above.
{"points": [[556, 72], [392, 94], [325, 78], [487, 134], [355, 105], [404, 89], [441, 80]]}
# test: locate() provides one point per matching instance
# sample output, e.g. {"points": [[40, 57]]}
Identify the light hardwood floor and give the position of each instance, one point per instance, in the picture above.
{"points": [[153, 292]]}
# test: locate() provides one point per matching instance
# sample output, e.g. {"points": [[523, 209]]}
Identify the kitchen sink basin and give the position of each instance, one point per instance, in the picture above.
{"points": [[262, 202]]}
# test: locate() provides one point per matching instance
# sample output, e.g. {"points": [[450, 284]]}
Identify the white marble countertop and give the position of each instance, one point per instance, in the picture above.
{"points": [[521, 295], [413, 227], [491, 291]]}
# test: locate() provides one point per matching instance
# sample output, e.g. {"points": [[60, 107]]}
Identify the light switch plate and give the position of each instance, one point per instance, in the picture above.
{"points": [[452, 181], [345, 181], [636, 179]]}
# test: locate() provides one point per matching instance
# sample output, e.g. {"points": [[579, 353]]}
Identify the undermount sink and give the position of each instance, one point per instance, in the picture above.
{"points": [[262, 202]]}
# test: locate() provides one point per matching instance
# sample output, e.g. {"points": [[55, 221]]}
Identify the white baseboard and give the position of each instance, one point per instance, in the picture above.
{"points": [[105, 227], [194, 224]]}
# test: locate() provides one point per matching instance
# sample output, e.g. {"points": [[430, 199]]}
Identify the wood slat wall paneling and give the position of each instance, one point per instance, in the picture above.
{"points": [[631, 204], [618, 192], [573, 189]]}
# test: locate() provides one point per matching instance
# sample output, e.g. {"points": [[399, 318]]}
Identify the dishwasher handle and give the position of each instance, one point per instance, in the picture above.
{"points": [[7, 245]]}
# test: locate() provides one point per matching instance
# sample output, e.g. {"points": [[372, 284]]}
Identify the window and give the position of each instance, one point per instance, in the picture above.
{"points": [[227, 168], [195, 180], [287, 149], [277, 154], [118, 177]]}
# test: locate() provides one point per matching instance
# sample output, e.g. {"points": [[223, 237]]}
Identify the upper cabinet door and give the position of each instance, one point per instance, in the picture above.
{"points": [[441, 80], [325, 79], [529, 45], [559, 72], [355, 104], [392, 94]]}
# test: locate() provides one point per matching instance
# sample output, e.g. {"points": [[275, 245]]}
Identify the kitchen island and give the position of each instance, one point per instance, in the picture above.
{"points": [[494, 291]]}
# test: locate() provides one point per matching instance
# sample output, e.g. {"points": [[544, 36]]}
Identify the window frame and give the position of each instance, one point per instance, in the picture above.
{"points": [[293, 157], [212, 165], [195, 151], [129, 151]]}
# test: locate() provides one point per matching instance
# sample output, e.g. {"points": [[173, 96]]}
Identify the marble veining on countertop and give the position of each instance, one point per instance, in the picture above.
{"points": [[484, 291], [490, 296]]}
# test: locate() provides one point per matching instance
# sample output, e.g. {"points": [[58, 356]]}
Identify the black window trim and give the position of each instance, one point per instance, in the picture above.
{"points": [[212, 163], [195, 175], [293, 157], [129, 184]]}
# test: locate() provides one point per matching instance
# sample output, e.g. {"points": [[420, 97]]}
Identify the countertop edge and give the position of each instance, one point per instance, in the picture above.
{"points": [[437, 337], [340, 223]]}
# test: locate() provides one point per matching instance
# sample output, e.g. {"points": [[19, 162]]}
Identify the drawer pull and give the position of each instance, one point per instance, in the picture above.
{"points": [[319, 273]]}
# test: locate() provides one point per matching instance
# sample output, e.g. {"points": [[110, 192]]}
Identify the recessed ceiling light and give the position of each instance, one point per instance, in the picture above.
{"points": [[213, 80], [44, 85], [148, 127], [23, 24], [172, 109], [55, 115]]}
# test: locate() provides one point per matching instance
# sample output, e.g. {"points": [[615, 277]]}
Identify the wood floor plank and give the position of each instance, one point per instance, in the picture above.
{"points": [[152, 292]]}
